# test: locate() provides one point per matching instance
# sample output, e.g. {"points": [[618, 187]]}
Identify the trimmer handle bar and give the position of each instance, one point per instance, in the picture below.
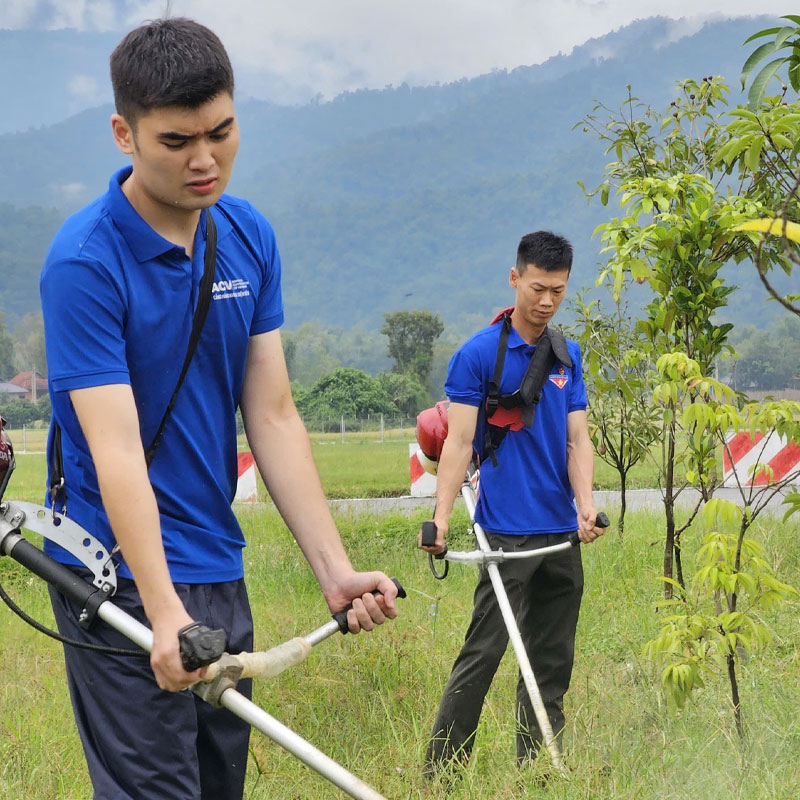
{"points": [[496, 556]]}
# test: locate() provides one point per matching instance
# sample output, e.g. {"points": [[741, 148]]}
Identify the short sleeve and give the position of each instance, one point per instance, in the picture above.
{"points": [[269, 303], [577, 398], [84, 316], [464, 382]]}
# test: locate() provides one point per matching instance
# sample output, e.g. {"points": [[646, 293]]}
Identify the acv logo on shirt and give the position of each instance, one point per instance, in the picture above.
{"points": [[225, 290]]}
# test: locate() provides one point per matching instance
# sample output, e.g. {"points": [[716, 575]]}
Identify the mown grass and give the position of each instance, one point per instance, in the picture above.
{"points": [[369, 701]]}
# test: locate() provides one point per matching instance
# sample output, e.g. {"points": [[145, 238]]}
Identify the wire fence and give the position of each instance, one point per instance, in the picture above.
{"points": [[33, 438], [373, 427]]}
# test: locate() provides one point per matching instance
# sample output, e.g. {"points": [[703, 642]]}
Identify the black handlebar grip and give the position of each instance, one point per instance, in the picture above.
{"points": [[199, 645], [341, 616], [600, 521], [428, 533]]}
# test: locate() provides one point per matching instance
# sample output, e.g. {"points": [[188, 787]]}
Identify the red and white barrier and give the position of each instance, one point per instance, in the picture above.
{"points": [[246, 486], [423, 484], [780, 455]]}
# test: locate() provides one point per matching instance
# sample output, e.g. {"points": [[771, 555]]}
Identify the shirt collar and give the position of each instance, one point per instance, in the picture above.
{"points": [[144, 242], [515, 340]]}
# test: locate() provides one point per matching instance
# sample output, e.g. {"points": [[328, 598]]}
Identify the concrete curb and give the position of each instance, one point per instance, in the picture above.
{"points": [[637, 499]]}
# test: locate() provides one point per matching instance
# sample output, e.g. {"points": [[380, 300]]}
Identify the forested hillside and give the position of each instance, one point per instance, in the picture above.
{"points": [[402, 198]]}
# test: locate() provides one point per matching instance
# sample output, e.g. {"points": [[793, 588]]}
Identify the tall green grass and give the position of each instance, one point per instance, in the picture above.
{"points": [[369, 701]]}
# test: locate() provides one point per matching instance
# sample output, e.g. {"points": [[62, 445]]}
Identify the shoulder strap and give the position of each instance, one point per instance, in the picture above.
{"points": [[492, 442], [493, 394], [536, 374], [560, 347], [200, 314]]}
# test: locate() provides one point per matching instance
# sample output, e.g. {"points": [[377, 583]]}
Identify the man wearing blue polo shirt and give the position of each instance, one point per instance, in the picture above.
{"points": [[119, 289], [529, 491]]}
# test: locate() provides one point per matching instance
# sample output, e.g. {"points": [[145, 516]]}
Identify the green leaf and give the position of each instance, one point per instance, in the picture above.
{"points": [[759, 54], [759, 85], [753, 154], [761, 34]]}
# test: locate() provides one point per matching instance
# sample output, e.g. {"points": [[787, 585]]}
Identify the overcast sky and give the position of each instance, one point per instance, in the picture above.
{"points": [[329, 46]]}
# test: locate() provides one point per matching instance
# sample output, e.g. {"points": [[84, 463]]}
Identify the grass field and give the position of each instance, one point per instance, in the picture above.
{"points": [[369, 701], [361, 466]]}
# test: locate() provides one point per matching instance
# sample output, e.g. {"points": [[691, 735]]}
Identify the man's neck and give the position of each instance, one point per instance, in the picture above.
{"points": [[176, 225], [529, 333]]}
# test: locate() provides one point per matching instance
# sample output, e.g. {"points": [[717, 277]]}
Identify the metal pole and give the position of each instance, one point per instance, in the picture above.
{"points": [[382, 429], [342, 427], [248, 711], [525, 668]]}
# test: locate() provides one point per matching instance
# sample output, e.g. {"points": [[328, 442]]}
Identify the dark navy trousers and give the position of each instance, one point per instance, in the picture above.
{"points": [[545, 594], [143, 743]]}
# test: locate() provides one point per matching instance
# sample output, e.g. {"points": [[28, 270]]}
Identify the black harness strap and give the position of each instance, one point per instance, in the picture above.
{"points": [[494, 433], [57, 490], [550, 347], [200, 314]]}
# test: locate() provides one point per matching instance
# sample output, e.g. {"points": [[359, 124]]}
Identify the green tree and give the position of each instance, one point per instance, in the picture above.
{"points": [[712, 626], [7, 369], [677, 229], [766, 359], [785, 37], [346, 392], [289, 353], [29, 344], [618, 360], [19, 412], [405, 391], [411, 337]]}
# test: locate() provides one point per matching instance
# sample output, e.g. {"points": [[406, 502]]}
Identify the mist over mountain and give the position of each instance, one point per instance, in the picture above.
{"points": [[408, 197]]}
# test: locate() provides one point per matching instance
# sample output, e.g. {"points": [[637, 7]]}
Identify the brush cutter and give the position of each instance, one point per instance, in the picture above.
{"points": [[491, 559], [199, 645]]}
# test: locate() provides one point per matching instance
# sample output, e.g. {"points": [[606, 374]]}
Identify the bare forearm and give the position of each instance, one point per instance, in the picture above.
{"points": [[450, 476], [132, 511], [580, 468]]}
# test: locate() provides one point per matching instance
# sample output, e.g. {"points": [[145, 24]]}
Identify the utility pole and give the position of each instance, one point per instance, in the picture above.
{"points": [[33, 384]]}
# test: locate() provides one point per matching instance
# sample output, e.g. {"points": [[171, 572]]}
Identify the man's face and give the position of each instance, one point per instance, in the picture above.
{"points": [[182, 158], [538, 293]]}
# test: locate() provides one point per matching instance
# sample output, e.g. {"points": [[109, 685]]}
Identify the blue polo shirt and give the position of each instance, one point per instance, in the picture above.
{"points": [[118, 302], [528, 491]]}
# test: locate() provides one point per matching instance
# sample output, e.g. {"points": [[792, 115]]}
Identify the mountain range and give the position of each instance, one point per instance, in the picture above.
{"points": [[409, 197]]}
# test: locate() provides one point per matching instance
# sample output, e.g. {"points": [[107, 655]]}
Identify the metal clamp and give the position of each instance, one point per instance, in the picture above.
{"points": [[61, 530], [230, 670]]}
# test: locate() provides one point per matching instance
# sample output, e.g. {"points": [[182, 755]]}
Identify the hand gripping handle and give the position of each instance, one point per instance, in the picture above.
{"points": [[341, 616], [600, 521]]}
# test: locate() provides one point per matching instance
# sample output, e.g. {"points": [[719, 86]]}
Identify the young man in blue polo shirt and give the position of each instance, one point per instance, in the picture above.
{"points": [[525, 502], [119, 289]]}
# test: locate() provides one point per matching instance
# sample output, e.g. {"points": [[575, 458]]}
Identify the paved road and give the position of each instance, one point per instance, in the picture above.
{"points": [[636, 499]]}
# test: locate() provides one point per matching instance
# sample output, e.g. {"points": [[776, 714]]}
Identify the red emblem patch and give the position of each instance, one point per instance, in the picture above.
{"points": [[559, 380]]}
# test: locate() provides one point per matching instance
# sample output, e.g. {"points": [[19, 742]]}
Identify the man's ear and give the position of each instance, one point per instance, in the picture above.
{"points": [[123, 133], [513, 277]]}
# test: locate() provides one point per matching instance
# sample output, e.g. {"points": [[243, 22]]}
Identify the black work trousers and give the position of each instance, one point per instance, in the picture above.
{"points": [[545, 594], [142, 743]]}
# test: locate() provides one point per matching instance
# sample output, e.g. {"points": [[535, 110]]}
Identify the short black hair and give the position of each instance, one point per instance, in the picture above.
{"points": [[168, 62], [545, 250]]}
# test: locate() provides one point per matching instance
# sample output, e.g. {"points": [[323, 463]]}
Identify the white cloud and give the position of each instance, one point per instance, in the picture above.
{"points": [[346, 44], [70, 191], [84, 88]]}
